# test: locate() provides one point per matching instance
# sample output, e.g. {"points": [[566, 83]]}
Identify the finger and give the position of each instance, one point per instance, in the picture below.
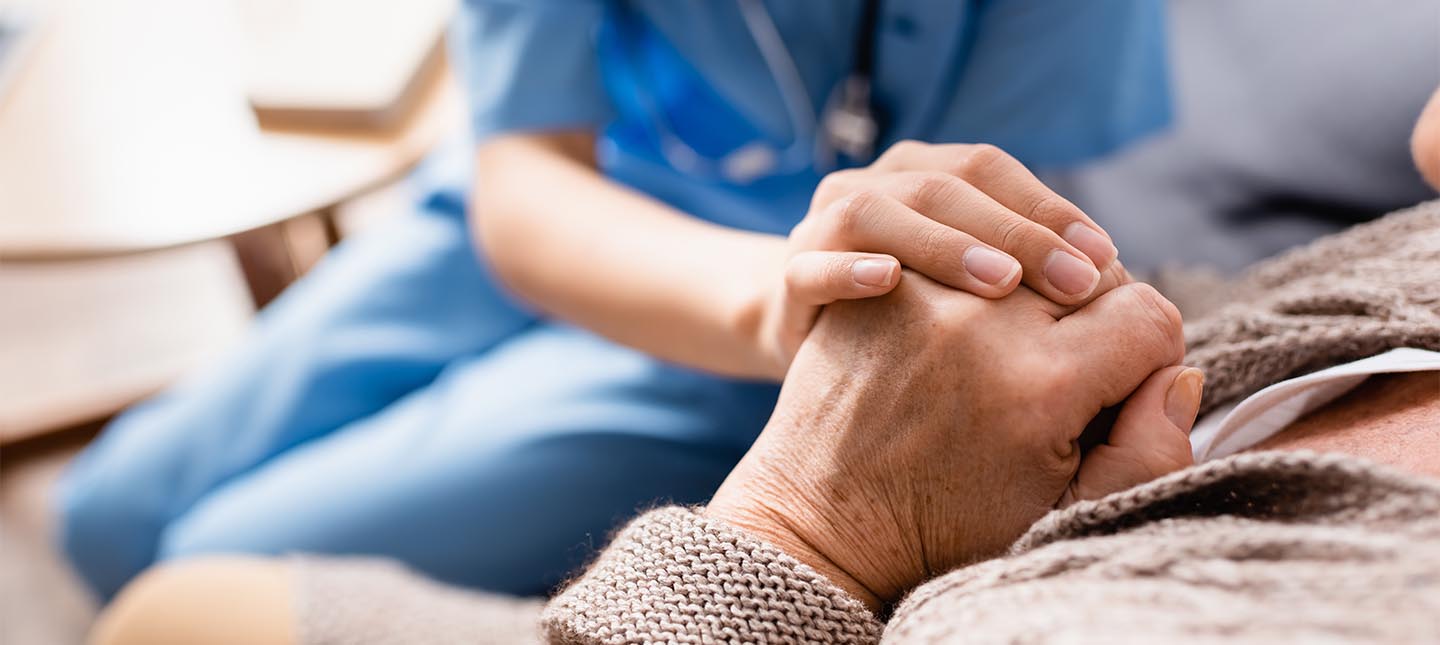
{"points": [[879, 223], [816, 278], [822, 277], [1113, 276], [1118, 340], [1010, 183], [1151, 437], [1052, 266]]}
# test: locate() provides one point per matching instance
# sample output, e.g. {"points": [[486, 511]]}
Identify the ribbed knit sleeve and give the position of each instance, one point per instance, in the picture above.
{"points": [[1264, 547], [675, 576]]}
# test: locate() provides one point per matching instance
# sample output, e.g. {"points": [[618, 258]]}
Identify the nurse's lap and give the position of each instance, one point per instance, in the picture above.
{"points": [[390, 339], [504, 473], [379, 317]]}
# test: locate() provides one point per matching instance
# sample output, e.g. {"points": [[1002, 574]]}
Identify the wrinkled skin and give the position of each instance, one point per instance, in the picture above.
{"points": [[928, 428]]}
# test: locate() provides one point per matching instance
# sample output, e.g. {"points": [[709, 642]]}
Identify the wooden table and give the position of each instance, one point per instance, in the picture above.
{"points": [[128, 130]]}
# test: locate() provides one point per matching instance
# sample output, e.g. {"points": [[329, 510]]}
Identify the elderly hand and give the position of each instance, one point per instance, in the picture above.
{"points": [[960, 214], [929, 428]]}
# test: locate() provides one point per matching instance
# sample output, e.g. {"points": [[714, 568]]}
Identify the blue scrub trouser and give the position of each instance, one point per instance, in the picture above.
{"points": [[394, 403]]}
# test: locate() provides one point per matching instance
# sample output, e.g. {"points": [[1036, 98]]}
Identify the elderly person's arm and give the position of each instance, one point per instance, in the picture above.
{"points": [[1260, 546], [916, 433]]}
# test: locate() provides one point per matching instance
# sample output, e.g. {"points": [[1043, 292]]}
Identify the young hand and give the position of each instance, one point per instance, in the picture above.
{"points": [[967, 216]]}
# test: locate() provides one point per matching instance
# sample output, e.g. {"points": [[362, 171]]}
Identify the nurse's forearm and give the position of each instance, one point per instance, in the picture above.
{"points": [[587, 250]]}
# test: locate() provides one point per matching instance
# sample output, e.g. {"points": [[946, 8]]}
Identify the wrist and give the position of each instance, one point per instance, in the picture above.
{"points": [[792, 544], [762, 507], [754, 298]]}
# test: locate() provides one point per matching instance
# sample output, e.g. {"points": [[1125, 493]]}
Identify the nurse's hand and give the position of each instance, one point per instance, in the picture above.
{"points": [[967, 216]]}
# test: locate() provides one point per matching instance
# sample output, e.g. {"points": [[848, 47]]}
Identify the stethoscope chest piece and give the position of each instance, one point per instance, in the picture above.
{"points": [[845, 132], [848, 124]]}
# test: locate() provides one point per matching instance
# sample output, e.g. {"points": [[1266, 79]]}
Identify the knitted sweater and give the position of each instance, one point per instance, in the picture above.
{"points": [[1255, 547], [1341, 298]]}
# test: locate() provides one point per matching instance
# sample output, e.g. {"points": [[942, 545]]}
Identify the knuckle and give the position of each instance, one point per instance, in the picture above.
{"points": [[943, 312], [902, 148], [941, 251], [955, 315], [1161, 317], [939, 309], [931, 189], [1047, 383], [805, 229], [1060, 459], [850, 217], [1014, 233], [1047, 379], [978, 158], [796, 273], [1054, 210], [832, 186]]}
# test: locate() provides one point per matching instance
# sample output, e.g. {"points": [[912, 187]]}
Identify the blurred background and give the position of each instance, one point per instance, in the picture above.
{"points": [[167, 167]]}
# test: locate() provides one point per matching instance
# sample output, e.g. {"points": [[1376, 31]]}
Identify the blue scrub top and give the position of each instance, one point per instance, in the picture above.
{"points": [[1052, 82]]}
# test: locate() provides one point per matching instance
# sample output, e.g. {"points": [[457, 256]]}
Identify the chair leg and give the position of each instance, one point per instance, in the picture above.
{"points": [[274, 256], [266, 261]]}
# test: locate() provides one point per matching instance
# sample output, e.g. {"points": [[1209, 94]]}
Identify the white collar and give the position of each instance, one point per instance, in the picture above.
{"points": [[1237, 426]]}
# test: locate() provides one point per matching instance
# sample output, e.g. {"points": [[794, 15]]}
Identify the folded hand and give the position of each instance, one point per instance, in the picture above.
{"points": [[928, 428]]}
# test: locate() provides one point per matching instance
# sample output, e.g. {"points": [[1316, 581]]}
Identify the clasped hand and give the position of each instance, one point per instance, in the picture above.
{"points": [[967, 216], [928, 428]]}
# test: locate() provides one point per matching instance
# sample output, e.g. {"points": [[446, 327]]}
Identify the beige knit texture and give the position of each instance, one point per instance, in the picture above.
{"points": [[1262, 548], [1372, 288], [675, 576], [368, 601]]}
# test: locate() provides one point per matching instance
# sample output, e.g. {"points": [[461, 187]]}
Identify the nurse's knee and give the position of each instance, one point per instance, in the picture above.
{"points": [[205, 533], [210, 600], [92, 509], [240, 519], [116, 485]]}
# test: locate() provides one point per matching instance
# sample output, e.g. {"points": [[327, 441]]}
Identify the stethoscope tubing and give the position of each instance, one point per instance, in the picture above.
{"points": [[806, 149]]}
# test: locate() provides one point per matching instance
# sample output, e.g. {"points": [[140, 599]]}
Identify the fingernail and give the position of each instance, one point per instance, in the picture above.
{"points": [[873, 272], [1182, 401], [990, 266], [1097, 247], [1070, 274]]}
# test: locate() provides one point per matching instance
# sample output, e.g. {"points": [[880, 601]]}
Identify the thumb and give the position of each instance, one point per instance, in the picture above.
{"points": [[1151, 437], [822, 277], [817, 278]]}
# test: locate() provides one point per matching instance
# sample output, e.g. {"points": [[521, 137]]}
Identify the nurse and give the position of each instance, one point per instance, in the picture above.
{"points": [[648, 240]]}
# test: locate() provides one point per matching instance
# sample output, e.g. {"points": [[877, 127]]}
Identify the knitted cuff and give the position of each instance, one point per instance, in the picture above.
{"points": [[676, 576]]}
